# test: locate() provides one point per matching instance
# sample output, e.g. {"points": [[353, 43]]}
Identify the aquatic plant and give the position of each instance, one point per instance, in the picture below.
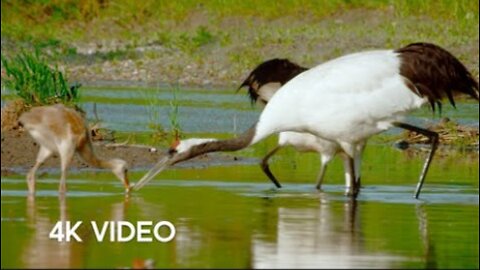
{"points": [[33, 80], [154, 112], [176, 130]]}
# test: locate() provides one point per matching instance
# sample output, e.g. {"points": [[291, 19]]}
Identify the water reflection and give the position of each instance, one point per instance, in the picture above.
{"points": [[41, 251], [427, 243], [327, 236]]}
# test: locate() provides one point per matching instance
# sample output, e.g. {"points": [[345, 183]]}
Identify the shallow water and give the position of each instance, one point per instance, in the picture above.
{"points": [[216, 111], [213, 111], [236, 224], [228, 214]]}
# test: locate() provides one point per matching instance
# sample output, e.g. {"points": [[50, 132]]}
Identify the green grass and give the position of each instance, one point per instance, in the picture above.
{"points": [[54, 20], [231, 36], [34, 81]]}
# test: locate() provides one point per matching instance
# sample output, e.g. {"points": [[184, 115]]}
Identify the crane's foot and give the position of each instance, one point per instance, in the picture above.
{"points": [[31, 192], [359, 182], [31, 184], [266, 170], [352, 192], [62, 189]]}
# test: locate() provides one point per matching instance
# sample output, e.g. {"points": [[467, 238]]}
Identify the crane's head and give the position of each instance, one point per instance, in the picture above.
{"points": [[268, 77], [182, 146], [179, 150], [120, 170]]}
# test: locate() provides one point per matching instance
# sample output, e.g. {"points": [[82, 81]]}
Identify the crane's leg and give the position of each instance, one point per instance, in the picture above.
{"points": [[320, 176], [266, 168], [325, 159], [358, 162], [351, 188], [42, 155], [433, 136], [66, 151]]}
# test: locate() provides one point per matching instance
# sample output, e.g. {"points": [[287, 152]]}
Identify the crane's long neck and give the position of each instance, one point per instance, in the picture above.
{"points": [[242, 141], [86, 152]]}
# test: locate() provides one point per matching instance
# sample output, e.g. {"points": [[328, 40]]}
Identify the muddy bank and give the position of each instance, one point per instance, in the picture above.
{"points": [[19, 152]]}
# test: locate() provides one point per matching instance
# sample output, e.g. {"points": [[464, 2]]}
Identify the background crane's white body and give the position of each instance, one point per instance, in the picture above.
{"points": [[327, 150]]}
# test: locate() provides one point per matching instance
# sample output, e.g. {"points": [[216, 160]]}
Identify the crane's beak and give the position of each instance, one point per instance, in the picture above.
{"points": [[172, 157], [158, 168]]}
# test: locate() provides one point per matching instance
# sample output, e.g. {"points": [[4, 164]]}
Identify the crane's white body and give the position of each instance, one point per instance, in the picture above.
{"points": [[345, 111], [339, 114]]}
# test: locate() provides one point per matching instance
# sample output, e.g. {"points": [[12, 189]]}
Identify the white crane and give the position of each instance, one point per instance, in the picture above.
{"points": [[262, 84], [62, 130], [349, 99]]}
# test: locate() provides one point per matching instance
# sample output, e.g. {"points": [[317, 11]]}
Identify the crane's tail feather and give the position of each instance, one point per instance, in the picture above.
{"points": [[434, 73]]}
